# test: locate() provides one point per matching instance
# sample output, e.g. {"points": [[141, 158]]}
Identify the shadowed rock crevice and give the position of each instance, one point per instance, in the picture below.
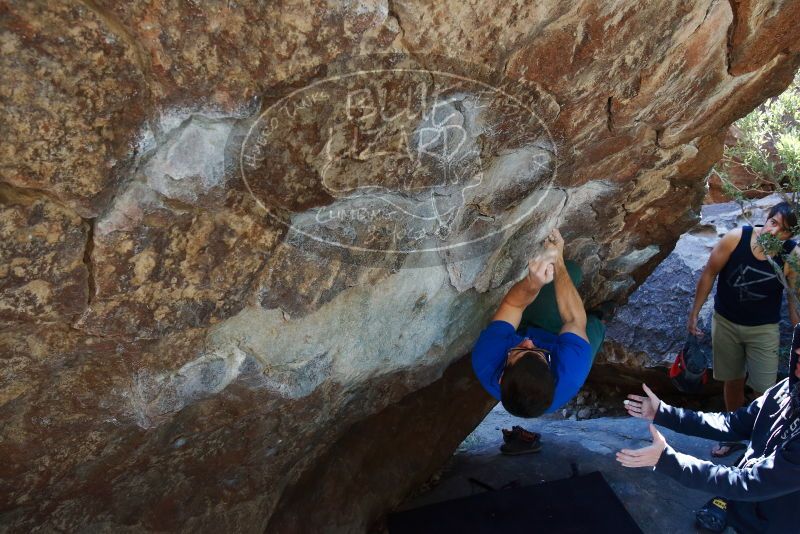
{"points": [[87, 261], [365, 462], [731, 33]]}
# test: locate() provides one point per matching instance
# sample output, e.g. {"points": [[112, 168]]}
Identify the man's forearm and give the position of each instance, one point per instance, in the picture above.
{"points": [[702, 291], [520, 295], [726, 426], [570, 305], [524, 292]]}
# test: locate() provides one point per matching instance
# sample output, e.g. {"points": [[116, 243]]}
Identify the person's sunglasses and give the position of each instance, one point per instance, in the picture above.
{"points": [[545, 354]]}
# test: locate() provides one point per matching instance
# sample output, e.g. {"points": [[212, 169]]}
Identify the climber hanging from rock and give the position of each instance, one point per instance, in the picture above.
{"points": [[538, 349]]}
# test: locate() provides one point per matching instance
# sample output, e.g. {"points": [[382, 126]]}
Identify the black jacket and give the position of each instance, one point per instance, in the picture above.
{"points": [[764, 487]]}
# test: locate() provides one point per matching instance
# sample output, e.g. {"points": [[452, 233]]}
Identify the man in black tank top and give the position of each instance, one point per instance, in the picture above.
{"points": [[744, 328]]}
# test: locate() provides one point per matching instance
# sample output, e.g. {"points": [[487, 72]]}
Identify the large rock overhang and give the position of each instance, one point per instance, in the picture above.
{"points": [[187, 342]]}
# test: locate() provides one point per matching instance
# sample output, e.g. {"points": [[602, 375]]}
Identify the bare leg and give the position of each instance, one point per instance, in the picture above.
{"points": [[733, 391], [754, 396]]}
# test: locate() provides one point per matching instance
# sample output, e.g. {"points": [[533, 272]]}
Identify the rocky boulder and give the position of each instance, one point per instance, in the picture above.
{"points": [[246, 245]]}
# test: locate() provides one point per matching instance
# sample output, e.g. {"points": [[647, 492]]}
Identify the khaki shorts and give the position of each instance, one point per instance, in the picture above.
{"points": [[739, 349]]}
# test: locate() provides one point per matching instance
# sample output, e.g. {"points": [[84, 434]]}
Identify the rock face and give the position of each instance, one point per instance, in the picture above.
{"points": [[650, 329], [245, 245]]}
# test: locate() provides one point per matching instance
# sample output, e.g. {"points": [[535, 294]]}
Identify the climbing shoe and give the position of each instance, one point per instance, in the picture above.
{"points": [[518, 432], [713, 515], [520, 441]]}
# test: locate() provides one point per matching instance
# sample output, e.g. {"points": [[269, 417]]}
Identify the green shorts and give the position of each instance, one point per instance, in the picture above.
{"points": [[751, 349], [543, 312]]}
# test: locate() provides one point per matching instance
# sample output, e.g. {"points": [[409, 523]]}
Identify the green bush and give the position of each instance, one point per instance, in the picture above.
{"points": [[769, 146]]}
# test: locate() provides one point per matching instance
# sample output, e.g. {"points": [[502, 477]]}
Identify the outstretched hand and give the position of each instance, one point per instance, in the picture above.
{"points": [[643, 407], [646, 456]]}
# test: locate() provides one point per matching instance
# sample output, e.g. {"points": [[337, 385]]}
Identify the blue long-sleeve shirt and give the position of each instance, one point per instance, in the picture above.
{"points": [[764, 488]]}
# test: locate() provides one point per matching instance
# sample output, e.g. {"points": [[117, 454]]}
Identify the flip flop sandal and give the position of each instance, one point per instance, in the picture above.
{"points": [[732, 446], [713, 515], [517, 432]]}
